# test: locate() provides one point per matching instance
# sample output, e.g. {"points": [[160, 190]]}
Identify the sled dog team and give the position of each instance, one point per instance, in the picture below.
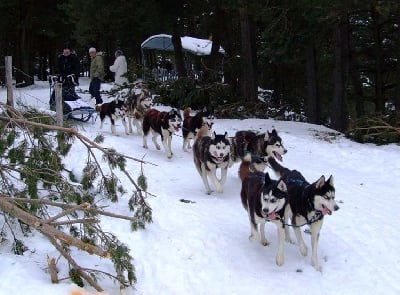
{"points": [[289, 201]]}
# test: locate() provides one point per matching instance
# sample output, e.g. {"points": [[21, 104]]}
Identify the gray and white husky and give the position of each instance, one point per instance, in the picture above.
{"points": [[308, 203], [137, 107], [209, 154]]}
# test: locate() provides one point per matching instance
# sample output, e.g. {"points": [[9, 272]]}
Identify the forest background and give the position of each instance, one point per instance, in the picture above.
{"points": [[333, 61]]}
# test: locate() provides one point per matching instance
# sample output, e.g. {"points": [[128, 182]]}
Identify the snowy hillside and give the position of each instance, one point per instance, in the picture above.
{"points": [[201, 246]]}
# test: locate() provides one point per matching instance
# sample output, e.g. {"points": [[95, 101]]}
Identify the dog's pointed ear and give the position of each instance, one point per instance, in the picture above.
{"points": [[320, 182], [226, 135], [213, 135], [282, 186], [266, 137], [330, 180]]}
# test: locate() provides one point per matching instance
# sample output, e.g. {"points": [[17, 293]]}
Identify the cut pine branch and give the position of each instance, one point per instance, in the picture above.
{"points": [[48, 230]]}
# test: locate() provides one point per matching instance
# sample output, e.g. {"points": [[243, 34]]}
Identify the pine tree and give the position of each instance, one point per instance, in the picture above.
{"points": [[39, 193]]}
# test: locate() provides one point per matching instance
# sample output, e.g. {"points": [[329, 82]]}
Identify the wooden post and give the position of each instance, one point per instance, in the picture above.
{"points": [[8, 64], [59, 103]]}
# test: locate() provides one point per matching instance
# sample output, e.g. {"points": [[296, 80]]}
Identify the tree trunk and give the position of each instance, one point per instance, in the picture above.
{"points": [[248, 84], [231, 68], [338, 113], [178, 52], [24, 63], [378, 50], [397, 89], [211, 64], [355, 79], [313, 111]]}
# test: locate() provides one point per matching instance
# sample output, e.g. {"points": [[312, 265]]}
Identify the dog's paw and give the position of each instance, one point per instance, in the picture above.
{"points": [[316, 266], [303, 250], [289, 240], [252, 238], [265, 243], [279, 260]]}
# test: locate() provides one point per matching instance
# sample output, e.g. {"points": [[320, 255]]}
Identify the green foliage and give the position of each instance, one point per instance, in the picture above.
{"points": [[90, 172], [110, 188], [76, 277], [190, 92], [32, 169], [122, 263], [142, 212], [18, 247], [142, 182]]}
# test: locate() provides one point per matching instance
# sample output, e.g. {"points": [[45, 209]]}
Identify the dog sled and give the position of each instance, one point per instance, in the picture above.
{"points": [[73, 106]]}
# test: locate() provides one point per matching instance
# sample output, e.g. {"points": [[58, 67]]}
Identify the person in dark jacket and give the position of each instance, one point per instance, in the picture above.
{"points": [[67, 70], [68, 64]]}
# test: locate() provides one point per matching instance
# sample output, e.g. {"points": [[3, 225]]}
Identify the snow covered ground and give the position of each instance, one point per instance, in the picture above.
{"points": [[202, 246]]}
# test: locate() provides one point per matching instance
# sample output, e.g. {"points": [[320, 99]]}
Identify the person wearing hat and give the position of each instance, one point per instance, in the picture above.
{"points": [[96, 74], [120, 68]]}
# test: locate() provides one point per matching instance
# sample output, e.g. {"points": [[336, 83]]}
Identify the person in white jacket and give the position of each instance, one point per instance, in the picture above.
{"points": [[119, 68]]}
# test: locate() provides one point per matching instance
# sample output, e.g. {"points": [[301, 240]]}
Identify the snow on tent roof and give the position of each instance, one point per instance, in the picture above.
{"points": [[190, 44]]}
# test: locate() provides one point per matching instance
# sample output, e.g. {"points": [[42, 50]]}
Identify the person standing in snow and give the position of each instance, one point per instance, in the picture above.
{"points": [[96, 74], [67, 70], [120, 68], [68, 64]]}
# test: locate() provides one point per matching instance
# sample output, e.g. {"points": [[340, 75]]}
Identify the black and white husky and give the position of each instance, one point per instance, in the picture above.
{"points": [[163, 124], [262, 145], [137, 106], [192, 124], [115, 109], [252, 148], [308, 203], [209, 154], [265, 200]]}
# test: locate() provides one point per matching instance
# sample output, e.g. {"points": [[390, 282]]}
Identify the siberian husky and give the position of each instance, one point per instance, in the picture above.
{"points": [[163, 124], [114, 110], [209, 154], [307, 205], [264, 200], [253, 149], [137, 106], [192, 124]]}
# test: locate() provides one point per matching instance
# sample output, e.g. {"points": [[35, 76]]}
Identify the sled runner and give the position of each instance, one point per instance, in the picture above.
{"points": [[78, 110], [73, 106]]}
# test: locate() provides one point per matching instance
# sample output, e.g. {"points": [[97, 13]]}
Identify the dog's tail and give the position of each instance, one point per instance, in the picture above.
{"points": [[186, 112], [278, 168]]}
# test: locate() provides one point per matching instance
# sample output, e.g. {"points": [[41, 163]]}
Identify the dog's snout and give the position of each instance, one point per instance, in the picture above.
{"points": [[336, 207], [265, 210]]}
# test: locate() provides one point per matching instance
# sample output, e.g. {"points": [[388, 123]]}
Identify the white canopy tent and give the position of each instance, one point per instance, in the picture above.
{"points": [[163, 42], [193, 45]]}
